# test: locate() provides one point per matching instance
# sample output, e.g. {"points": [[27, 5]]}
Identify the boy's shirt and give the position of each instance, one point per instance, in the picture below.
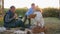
{"points": [[29, 12]]}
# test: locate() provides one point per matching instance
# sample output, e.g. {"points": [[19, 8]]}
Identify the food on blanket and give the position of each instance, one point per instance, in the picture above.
{"points": [[2, 29]]}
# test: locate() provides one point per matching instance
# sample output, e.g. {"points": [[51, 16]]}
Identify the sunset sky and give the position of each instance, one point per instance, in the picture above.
{"points": [[27, 3]]}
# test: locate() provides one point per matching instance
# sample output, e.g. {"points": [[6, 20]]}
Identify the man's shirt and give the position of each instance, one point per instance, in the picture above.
{"points": [[8, 17]]}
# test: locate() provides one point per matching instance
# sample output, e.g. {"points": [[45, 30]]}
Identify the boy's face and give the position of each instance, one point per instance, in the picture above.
{"points": [[33, 6]]}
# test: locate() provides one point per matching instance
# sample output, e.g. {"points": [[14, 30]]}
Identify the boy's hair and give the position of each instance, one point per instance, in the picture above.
{"points": [[32, 4]]}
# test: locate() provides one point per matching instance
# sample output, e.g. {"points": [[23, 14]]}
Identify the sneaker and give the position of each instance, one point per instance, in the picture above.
{"points": [[27, 26], [23, 29], [28, 32]]}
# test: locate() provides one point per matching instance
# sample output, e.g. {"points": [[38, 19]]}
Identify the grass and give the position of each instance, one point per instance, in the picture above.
{"points": [[52, 24], [1, 21]]}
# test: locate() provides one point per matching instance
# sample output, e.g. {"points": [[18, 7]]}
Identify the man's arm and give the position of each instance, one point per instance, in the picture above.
{"points": [[7, 19]]}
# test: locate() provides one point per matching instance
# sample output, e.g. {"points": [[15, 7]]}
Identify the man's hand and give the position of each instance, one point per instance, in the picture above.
{"points": [[15, 16]]}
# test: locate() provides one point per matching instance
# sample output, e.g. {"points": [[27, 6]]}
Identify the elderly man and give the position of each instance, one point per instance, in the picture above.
{"points": [[10, 19]]}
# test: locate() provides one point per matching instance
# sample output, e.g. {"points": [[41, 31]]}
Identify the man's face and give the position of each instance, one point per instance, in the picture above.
{"points": [[13, 10]]}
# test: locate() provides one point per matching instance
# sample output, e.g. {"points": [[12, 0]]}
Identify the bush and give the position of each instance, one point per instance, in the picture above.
{"points": [[47, 12], [21, 11], [50, 12]]}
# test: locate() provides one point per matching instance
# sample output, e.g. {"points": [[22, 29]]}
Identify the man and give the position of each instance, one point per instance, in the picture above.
{"points": [[10, 19], [29, 12]]}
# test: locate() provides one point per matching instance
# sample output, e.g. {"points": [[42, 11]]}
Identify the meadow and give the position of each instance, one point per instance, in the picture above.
{"points": [[51, 23]]}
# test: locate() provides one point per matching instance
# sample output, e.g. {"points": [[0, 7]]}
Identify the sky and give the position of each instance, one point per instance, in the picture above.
{"points": [[27, 3]]}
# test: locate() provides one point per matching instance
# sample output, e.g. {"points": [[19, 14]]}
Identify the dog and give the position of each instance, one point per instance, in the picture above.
{"points": [[39, 23]]}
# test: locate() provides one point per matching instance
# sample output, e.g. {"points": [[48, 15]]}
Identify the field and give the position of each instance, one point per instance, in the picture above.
{"points": [[52, 24]]}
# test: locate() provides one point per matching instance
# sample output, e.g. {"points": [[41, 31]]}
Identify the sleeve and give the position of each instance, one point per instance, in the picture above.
{"points": [[30, 11], [7, 19]]}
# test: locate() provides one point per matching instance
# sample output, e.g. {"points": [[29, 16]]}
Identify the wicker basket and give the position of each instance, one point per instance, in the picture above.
{"points": [[38, 29]]}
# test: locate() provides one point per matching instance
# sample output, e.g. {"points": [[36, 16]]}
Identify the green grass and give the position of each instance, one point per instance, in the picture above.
{"points": [[1, 21], [52, 24]]}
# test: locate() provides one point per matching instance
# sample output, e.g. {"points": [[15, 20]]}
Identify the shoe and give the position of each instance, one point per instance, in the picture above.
{"points": [[27, 26], [28, 32], [23, 29], [8, 29]]}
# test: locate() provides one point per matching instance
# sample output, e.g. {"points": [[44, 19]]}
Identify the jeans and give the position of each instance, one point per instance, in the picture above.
{"points": [[16, 23], [28, 20]]}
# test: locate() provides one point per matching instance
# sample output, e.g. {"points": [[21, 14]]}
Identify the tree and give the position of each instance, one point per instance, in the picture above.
{"points": [[2, 7], [50, 12], [59, 13]]}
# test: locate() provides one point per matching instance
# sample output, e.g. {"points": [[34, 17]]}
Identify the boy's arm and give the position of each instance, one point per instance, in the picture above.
{"points": [[30, 11]]}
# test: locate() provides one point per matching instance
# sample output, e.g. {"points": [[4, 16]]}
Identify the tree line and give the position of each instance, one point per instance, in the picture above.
{"points": [[47, 12]]}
